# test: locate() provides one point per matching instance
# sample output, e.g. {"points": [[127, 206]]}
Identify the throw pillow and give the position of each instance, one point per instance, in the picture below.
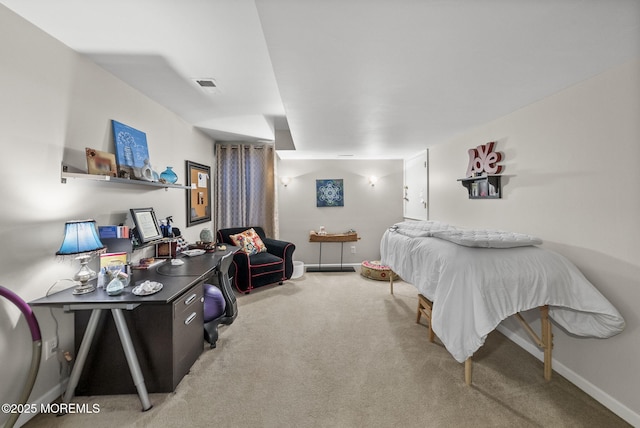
{"points": [[249, 241]]}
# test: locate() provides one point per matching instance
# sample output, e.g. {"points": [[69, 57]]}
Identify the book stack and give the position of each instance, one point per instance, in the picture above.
{"points": [[108, 232], [116, 238]]}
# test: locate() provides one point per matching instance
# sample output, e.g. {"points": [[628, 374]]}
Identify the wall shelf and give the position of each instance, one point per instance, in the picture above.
{"points": [[65, 174], [481, 187]]}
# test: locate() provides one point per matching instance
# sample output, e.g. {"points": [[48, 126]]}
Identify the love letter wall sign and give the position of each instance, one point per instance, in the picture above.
{"points": [[483, 159]]}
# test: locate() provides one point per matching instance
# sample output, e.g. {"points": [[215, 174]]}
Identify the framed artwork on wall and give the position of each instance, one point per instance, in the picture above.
{"points": [[330, 193], [199, 195]]}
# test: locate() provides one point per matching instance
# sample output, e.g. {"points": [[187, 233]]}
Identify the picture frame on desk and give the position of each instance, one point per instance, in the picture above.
{"points": [[146, 225]]}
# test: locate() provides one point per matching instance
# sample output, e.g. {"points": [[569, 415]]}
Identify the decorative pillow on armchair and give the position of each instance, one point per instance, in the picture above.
{"points": [[249, 241]]}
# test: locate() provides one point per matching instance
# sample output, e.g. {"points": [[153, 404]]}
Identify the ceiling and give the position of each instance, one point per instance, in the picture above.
{"points": [[345, 78]]}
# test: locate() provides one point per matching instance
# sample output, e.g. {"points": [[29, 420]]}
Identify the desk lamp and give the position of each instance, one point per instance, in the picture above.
{"points": [[81, 237]]}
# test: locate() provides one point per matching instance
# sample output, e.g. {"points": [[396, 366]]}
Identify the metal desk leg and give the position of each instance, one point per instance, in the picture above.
{"points": [[320, 259], [132, 359], [82, 354]]}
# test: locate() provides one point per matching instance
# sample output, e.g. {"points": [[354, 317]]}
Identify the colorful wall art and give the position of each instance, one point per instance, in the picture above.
{"points": [[330, 193]]}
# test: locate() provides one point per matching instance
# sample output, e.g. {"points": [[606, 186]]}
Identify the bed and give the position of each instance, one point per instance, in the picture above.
{"points": [[477, 278]]}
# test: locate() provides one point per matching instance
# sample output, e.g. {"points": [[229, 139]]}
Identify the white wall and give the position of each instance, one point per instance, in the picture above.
{"points": [[573, 177], [55, 103], [367, 209]]}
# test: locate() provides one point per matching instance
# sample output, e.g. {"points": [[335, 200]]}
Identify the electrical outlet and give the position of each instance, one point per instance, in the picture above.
{"points": [[353, 249], [50, 348]]}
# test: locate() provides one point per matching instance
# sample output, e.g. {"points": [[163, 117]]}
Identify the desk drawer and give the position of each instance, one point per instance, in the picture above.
{"points": [[188, 302], [188, 329]]}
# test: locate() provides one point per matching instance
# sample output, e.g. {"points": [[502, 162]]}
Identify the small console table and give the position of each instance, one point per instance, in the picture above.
{"points": [[332, 237]]}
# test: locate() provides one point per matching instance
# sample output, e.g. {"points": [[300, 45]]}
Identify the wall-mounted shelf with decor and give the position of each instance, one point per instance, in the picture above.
{"points": [[483, 187], [66, 174]]}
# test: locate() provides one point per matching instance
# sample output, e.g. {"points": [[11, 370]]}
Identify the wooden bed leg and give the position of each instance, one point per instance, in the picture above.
{"points": [[425, 307], [467, 371], [547, 341]]}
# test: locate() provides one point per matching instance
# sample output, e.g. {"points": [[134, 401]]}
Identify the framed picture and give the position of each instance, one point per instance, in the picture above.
{"points": [[199, 196], [132, 153], [330, 193], [146, 224], [101, 163]]}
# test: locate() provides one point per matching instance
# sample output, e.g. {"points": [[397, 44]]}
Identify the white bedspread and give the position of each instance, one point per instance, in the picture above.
{"points": [[474, 289]]}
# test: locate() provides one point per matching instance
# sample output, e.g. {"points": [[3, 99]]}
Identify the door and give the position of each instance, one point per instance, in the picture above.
{"points": [[416, 187]]}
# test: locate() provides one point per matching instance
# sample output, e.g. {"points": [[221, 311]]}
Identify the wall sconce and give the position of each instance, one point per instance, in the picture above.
{"points": [[373, 180], [285, 181]]}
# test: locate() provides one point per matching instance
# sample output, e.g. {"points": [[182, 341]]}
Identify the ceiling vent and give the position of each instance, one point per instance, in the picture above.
{"points": [[206, 84]]}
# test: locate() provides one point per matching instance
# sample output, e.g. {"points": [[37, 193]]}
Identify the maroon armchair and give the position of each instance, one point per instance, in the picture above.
{"points": [[269, 267]]}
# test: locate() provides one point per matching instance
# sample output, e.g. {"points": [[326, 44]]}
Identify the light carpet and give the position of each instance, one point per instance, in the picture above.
{"points": [[338, 350]]}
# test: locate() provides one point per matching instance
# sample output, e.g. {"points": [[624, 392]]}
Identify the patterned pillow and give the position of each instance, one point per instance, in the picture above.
{"points": [[249, 241]]}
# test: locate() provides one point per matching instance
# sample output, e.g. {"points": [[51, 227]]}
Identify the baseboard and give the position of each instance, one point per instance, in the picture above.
{"points": [[338, 268], [49, 397], [599, 395]]}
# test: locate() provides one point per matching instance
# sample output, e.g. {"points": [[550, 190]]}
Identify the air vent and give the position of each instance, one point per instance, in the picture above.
{"points": [[207, 84]]}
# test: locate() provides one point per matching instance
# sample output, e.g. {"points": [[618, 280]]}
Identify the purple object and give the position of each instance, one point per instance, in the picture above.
{"points": [[36, 348], [214, 303], [26, 311]]}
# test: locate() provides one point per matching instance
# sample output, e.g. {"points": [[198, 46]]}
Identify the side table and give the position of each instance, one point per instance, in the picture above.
{"points": [[332, 237]]}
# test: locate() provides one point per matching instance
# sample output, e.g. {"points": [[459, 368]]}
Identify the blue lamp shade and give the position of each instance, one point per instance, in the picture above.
{"points": [[80, 236]]}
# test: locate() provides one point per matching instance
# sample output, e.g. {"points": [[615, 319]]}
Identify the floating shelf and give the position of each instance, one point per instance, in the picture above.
{"points": [[84, 176], [480, 187]]}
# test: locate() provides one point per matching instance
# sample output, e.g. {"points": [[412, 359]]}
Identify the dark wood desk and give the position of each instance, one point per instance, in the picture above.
{"points": [[161, 334]]}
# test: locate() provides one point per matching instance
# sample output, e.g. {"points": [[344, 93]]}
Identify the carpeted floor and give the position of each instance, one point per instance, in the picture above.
{"points": [[337, 350]]}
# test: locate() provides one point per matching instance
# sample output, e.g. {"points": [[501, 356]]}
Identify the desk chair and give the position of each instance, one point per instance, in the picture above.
{"points": [[228, 315]]}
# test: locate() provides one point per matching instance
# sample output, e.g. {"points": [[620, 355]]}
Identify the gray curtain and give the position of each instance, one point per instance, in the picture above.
{"points": [[245, 187]]}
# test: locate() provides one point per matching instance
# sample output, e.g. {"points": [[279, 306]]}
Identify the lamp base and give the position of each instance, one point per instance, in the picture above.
{"points": [[84, 289], [83, 276]]}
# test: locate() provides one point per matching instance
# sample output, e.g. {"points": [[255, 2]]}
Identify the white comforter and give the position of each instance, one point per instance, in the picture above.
{"points": [[474, 289]]}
